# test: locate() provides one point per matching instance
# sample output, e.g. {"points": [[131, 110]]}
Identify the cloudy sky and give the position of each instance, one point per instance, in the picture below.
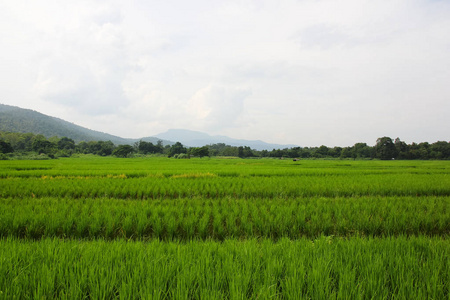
{"points": [[305, 72]]}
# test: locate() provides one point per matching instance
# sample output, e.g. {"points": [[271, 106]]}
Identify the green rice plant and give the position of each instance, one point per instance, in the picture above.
{"points": [[267, 179], [413, 267], [143, 225], [150, 228], [156, 225], [203, 225], [187, 218], [110, 226], [218, 229], [171, 226]]}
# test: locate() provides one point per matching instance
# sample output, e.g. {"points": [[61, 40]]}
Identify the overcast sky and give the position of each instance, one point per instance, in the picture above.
{"points": [[306, 72]]}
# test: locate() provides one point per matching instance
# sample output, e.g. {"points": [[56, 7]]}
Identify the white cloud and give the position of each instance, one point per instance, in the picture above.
{"points": [[216, 108], [306, 72], [84, 67]]}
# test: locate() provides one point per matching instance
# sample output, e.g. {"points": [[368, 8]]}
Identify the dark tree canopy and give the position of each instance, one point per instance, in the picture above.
{"points": [[177, 148], [385, 148], [123, 150], [148, 147], [43, 146], [199, 151], [66, 144], [5, 147]]}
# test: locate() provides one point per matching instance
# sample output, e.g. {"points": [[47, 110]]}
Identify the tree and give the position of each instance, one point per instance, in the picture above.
{"points": [[41, 145], [322, 150], [82, 147], [201, 151], [146, 147], [177, 148], [159, 148], [230, 151], [66, 144], [5, 147], [335, 152], [105, 148], [241, 152], [346, 152], [123, 150], [401, 149], [94, 147], [276, 153], [26, 142], [440, 150], [305, 152], [361, 150], [385, 148], [245, 151]]}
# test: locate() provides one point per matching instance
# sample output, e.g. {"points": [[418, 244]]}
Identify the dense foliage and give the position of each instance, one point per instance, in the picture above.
{"points": [[384, 149]]}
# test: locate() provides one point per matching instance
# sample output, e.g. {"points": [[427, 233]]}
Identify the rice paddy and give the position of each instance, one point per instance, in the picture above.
{"points": [[159, 228]]}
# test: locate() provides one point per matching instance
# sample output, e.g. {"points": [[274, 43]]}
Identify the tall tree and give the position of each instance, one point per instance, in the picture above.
{"points": [[385, 148]]}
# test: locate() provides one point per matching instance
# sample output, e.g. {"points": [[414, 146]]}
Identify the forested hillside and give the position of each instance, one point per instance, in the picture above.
{"points": [[15, 119]]}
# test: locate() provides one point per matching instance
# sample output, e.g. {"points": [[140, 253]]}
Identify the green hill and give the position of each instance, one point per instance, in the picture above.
{"points": [[16, 119]]}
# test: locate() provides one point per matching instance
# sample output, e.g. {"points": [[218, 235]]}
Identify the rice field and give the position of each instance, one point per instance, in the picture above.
{"points": [[159, 228]]}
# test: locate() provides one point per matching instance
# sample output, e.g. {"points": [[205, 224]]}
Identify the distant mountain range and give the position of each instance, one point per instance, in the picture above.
{"points": [[16, 119], [197, 139]]}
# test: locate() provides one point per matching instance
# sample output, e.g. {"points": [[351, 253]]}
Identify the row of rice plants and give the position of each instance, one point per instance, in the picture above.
{"points": [[239, 187], [201, 218], [132, 168], [325, 268]]}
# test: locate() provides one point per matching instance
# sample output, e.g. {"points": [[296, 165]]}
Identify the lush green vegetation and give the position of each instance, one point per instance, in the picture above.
{"points": [[159, 228], [323, 268], [199, 218], [30, 146]]}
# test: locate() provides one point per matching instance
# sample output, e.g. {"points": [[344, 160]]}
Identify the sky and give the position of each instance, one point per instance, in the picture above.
{"points": [[304, 72]]}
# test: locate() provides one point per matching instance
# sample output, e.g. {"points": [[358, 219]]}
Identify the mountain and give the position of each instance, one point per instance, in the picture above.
{"points": [[197, 139], [16, 119]]}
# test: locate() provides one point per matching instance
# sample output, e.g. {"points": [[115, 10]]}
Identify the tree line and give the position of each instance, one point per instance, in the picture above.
{"points": [[385, 149], [53, 147]]}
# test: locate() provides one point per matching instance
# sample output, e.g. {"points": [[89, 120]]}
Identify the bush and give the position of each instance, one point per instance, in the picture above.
{"points": [[63, 153], [123, 151]]}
